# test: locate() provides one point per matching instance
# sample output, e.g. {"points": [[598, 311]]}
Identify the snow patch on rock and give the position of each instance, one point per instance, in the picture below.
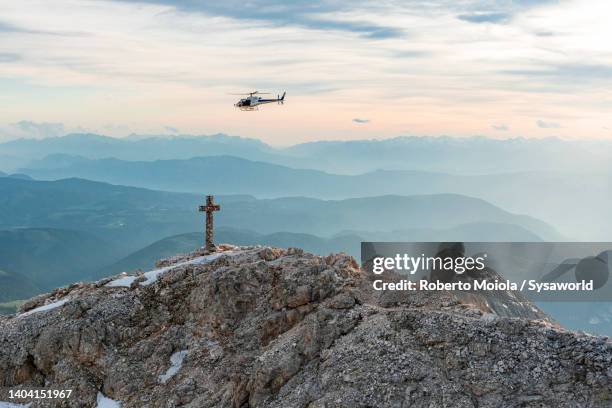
{"points": [[103, 401], [44, 308], [153, 275], [125, 281], [4, 404], [176, 361]]}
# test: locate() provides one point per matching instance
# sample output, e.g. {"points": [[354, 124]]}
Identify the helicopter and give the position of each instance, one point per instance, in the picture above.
{"points": [[252, 102]]}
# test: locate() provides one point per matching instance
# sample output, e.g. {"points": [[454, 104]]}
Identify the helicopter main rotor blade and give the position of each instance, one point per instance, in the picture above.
{"points": [[250, 93]]}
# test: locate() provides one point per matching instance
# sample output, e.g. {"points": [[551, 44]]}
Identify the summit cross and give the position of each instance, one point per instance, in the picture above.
{"points": [[209, 208]]}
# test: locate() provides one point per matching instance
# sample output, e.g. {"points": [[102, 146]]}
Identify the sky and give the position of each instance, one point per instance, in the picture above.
{"points": [[352, 69]]}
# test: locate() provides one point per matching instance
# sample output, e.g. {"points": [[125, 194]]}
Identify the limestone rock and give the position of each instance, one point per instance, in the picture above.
{"points": [[267, 327]]}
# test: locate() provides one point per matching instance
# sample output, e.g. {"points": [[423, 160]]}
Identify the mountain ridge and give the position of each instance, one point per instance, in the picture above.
{"points": [[555, 197], [466, 155], [50, 257], [144, 215], [270, 327]]}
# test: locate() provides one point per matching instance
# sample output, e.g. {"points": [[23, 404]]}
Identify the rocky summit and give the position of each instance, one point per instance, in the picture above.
{"points": [[268, 327]]}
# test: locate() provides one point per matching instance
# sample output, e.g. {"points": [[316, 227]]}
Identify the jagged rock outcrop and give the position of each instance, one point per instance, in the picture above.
{"points": [[267, 327]]}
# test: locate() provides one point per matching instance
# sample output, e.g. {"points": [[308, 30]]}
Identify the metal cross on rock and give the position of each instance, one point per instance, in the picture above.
{"points": [[209, 208]]}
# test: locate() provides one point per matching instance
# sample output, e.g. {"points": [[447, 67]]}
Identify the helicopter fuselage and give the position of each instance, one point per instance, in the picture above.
{"points": [[253, 101]]}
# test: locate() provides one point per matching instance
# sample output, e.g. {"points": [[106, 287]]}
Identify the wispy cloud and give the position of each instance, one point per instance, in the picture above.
{"points": [[40, 129], [412, 54], [11, 28], [480, 18], [316, 15], [9, 57], [547, 125], [31, 129], [573, 71], [361, 121], [545, 33], [432, 66]]}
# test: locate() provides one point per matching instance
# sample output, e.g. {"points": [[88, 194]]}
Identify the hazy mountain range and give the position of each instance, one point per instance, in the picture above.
{"points": [[34, 260], [56, 232], [322, 196], [15, 286], [475, 155], [576, 203], [140, 216], [39, 259], [565, 183]]}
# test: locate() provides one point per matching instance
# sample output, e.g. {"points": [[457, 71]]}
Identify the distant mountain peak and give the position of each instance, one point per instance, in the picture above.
{"points": [[88, 137], [20, 176]]}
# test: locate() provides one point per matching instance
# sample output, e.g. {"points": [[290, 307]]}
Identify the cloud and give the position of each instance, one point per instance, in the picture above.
{"points": [[11, 28], [545, 34], [30, 129], [412, 54], [9, 57], [568, 71], [308, 14], [480, 18], [450, 68], [496, 12], [171, 129], [501, 127], [548, 125], [116, 129], [576, 70]]}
